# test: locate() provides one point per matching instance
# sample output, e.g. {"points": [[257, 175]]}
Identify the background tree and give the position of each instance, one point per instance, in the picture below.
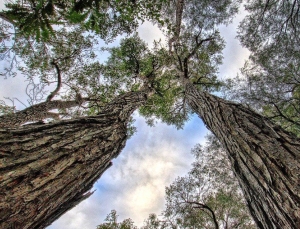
{"points": [[111, 222], [209, 196]]}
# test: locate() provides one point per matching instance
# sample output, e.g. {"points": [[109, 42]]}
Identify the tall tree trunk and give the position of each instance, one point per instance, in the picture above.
{"points": [[45, 170], [264, 157]]}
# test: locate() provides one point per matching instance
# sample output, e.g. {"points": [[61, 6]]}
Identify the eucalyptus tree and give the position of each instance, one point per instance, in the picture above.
{"points": [[264, 157], [53, 168]]}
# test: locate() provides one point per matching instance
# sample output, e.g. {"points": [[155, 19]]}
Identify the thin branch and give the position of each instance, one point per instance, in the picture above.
{"points": [[204, 206], [53, 93], [5, 18], [191, 54]]}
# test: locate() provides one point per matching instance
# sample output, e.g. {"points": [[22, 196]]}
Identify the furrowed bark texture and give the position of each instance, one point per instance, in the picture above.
{"points": [[36, 112], [265, 158], [46, 170]]}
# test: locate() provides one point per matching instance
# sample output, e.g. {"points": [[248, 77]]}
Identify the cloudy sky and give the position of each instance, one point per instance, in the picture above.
{"points": [[134, 186]]}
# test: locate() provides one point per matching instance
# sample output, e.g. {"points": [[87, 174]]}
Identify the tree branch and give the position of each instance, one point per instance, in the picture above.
{"points": [[53, 93], [4, 17], [191, 54], [204, 206], [36, 112], [179, 11]]}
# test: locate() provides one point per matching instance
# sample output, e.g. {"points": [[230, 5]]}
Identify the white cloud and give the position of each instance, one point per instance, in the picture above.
{"points": [[234, 54], [149, 32]]}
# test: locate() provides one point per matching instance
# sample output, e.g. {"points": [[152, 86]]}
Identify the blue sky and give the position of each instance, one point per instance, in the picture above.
{"points": [[134, 186]]}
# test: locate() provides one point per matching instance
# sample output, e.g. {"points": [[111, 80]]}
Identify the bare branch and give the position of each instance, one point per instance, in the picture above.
{"points": [[53, 93]]}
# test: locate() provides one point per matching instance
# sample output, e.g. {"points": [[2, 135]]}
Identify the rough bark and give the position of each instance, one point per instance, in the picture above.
{"points": [[47, 169], [37, 112], [264, 157]]}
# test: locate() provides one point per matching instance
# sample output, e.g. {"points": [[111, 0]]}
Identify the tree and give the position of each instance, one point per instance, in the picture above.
{"points": [[42, 176], [264, 157], [46, 169], [209, 196], [111, 222]]}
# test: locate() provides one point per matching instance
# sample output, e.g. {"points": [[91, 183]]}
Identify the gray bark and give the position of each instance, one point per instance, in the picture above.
{"points": [[264, 157], [36, 113], [47, 169]]}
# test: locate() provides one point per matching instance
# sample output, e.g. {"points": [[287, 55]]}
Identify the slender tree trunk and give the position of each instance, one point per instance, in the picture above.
{"points": [[264, 157], [45, 170]]}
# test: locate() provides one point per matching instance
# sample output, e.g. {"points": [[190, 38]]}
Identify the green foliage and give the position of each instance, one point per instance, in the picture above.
{"points": [[111, 222], [6, 110], [40, 21], [131, 65], [107, 18], [33, 17], [271, 75]]}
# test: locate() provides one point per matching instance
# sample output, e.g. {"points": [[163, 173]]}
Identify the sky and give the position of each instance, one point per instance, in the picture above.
{"points": [[135, 185]]}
